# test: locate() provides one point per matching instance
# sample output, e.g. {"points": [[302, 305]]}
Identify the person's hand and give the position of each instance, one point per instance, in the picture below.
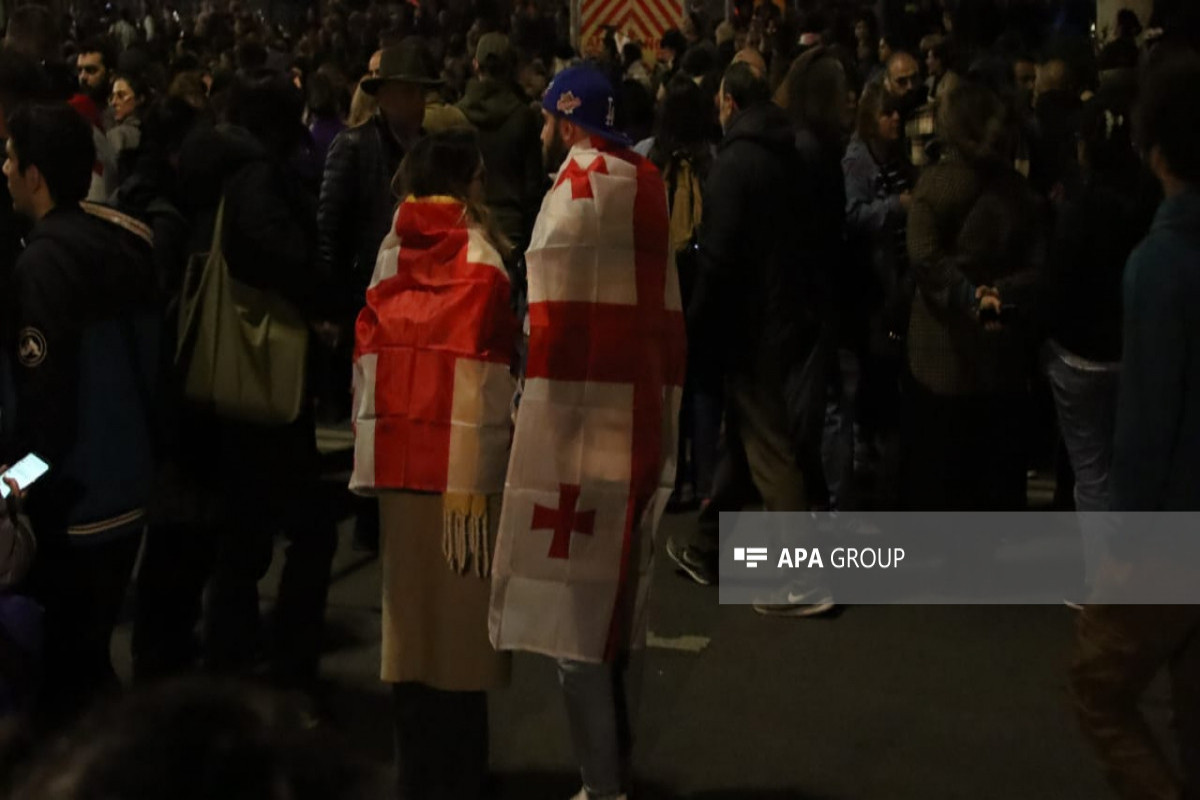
{"points": [[906, 200], [15, 501], [990, 306]]}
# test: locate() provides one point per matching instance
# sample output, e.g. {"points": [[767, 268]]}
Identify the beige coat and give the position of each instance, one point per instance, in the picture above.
{"points": [[435, 621]]}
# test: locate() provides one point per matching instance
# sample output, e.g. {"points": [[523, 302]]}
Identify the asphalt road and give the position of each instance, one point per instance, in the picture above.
{"points": [[872, 703]]}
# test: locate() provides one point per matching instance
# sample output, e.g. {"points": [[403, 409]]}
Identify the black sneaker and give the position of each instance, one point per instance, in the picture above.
{"points": [[699, 567]]}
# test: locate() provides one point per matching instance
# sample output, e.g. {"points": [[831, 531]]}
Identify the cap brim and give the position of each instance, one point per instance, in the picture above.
{"points": [[619, 139], [371, 85]]}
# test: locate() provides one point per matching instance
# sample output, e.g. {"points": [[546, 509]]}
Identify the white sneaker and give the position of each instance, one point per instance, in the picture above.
{"points": [[796, 600], [583, 795]]}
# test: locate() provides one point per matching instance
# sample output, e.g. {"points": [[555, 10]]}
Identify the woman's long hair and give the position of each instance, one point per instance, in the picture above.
{"points": [[975, 122], [362, 107], [445, 164], [815, 94], [870, 109]]}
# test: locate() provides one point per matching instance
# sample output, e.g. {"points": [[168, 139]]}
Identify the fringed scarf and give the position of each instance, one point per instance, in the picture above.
{"points": [[465, 540]]}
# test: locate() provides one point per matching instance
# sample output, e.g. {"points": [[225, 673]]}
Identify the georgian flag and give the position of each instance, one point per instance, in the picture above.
{"points": [[433, 348], [593, 458]]}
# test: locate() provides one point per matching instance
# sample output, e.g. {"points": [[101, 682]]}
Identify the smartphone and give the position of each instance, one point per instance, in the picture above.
{"points": [[24, 472]]}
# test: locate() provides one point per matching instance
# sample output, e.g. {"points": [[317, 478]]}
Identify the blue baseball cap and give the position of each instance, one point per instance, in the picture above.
{"points": [[584, 96]]}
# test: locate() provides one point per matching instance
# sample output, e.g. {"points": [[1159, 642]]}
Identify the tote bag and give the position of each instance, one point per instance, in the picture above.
{"points": [[244, 350]]}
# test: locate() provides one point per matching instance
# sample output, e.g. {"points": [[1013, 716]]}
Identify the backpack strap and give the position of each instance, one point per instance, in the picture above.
{"points": [[111, 215]]}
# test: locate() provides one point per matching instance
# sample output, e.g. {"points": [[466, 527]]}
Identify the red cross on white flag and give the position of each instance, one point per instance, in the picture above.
{"points": [[564, 521], [594, 452]]}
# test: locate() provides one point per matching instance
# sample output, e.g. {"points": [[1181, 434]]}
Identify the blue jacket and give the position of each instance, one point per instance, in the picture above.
{"points": [[1156, 460], [82, 354], [869, 208]]}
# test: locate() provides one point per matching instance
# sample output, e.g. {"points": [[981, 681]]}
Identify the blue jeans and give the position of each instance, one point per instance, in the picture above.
{"points": [[838, 441], [600, 702], [1085, 395]]}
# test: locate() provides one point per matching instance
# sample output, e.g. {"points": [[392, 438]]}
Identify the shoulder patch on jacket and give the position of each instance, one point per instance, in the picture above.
{"points": [[31, 347]]}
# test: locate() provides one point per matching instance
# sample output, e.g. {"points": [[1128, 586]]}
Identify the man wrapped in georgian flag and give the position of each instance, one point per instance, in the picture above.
{"points": [[593, 458]]}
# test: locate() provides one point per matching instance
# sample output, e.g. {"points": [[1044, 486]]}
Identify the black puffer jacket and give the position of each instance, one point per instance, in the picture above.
{"points": [[755, 291], [509, 136], [356, 208], [1095, 234]]}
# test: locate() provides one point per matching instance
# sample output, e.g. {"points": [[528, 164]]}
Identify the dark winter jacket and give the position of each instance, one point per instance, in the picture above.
{"points": [[356, 208], [1053, 160], [754, 286], [13, 228], [1095, 234], [270, 237], [970, 225], [81, 345], [269, 243], [822, 233], [509, 136], [150, 195], [1156, 455]]}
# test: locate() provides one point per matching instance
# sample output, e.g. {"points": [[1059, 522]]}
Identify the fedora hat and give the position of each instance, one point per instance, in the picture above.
{"points": [[408, 62]]}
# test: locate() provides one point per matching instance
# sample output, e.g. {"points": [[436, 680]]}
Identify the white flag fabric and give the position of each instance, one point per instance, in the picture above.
{"points": [[593, 458], [433, 346]]}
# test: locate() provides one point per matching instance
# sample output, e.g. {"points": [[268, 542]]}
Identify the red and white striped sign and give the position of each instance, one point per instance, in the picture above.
{"points": [[643, 21]]}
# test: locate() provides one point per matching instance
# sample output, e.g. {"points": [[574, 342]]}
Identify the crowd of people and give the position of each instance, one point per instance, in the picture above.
{"points": [[907, 254]]}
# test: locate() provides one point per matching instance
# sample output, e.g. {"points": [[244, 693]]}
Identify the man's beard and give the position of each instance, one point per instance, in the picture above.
{"points": [[98, 94], [555, 153]]}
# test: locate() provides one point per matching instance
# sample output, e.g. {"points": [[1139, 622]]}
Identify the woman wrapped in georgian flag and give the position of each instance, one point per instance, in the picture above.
{"points": [[432, 392]]}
